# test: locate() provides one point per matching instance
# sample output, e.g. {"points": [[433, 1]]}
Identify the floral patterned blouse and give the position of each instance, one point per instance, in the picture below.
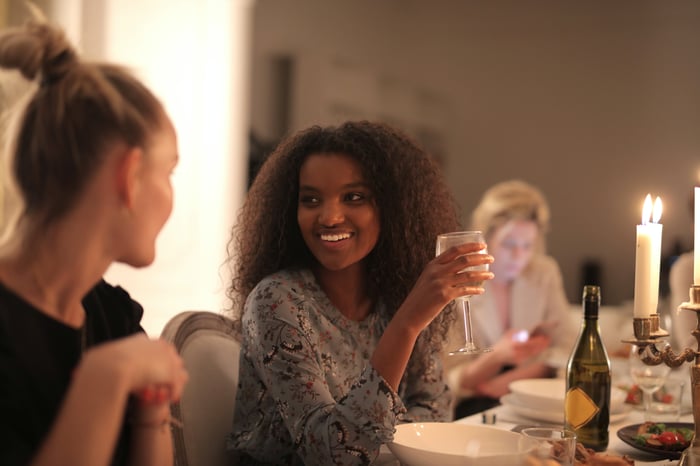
{"points": [[307, 392]]}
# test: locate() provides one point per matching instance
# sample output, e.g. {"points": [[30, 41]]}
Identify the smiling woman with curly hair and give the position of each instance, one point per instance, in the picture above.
{"points": [[342, 324]]}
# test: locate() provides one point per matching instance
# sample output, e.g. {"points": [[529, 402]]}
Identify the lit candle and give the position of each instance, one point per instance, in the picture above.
{"points": [[696, 252], [648, 260]]}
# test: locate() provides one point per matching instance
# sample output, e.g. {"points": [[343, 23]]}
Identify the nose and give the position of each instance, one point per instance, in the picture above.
{"points": [[331, 214], [516, 252]]}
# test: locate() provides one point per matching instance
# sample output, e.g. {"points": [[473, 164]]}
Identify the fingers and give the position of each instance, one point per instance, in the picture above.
{"points": [[178, 387], [469, 283], [462, 250], [171, 388], [151, 369], [162, 374], [466, 262], [163, 393], [455, 274]]}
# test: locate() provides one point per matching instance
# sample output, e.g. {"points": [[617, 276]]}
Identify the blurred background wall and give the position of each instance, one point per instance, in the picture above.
{"points": [[597, 103]]}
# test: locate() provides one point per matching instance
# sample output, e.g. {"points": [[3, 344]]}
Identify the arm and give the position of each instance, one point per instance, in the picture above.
{"points": [[91, 416], [87, 426], [482, 370], [441, 282], [151, 440], [424, 391], [498, 386]]}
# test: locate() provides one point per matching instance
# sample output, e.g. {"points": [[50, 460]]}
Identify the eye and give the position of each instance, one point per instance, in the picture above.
{"points": [[308, 200], [356, 197]]}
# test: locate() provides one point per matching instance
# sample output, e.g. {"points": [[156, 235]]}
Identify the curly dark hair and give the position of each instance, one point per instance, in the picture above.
{"points": [[414, 202]]}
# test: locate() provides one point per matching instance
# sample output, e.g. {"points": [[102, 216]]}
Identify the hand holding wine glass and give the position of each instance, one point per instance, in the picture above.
{"points": [[648, 378], [444, 242]]}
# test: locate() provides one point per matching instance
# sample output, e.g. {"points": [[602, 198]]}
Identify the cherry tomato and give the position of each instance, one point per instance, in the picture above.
{"points": [[668, 438]]}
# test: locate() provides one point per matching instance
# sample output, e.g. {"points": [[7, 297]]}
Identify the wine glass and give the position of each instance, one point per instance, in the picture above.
{"points": [[444, 242], [648, 378]]}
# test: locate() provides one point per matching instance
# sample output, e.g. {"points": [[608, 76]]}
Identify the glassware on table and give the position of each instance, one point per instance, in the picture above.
{"points": [[549, 445], [649, 379], [667, 403], [444, 242]]}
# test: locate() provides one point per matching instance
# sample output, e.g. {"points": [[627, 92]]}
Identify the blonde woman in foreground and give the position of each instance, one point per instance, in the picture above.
{"points": [[85, 181]]}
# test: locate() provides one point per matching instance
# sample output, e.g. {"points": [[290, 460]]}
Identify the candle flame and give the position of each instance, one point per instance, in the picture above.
{"points": [[658, 208], [646, 210], [651, 212]]}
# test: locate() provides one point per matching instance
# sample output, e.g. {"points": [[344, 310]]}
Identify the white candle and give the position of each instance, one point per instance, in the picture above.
{"points": [[696, 252], [648, 260]]}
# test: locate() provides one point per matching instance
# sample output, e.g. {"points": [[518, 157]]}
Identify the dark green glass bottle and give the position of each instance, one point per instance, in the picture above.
{"points": [[587, 405]]}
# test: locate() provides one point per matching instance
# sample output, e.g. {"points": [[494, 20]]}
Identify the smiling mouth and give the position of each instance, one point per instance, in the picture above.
{"points": [[334, 238]]}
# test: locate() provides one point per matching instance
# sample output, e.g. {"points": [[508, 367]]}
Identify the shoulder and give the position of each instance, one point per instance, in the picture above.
{"points": [[288, 282], [12, 308], [542, 267], [282, 294], [115, 305], [544, 262]]}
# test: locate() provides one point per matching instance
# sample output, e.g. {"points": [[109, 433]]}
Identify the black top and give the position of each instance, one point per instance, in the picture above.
{"points": [[37, 357]]}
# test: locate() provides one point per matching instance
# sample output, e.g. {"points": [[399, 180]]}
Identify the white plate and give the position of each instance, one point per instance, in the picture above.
{"points": [[557, 417], [548, 394], [542, 394]]}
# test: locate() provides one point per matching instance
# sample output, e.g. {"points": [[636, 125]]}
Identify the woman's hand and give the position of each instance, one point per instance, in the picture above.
{"points": [[443, 280], [512, 350], [150, 369]]}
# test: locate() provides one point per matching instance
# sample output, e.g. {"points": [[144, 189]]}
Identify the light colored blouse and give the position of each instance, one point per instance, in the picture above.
{"points": [[308, 393], [537, 298]]}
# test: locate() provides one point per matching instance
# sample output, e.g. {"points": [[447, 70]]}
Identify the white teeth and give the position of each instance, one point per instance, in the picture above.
{"points": [[334, 238]]}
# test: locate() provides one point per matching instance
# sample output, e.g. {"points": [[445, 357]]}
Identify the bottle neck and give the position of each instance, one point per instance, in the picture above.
{"points": [[590, 310]]}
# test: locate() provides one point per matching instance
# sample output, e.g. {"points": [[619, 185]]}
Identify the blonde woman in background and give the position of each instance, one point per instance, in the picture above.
{"points": [[522, 314]]}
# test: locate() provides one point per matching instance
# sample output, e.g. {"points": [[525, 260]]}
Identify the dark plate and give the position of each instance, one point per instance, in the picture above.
{"points": [[627, 434]]}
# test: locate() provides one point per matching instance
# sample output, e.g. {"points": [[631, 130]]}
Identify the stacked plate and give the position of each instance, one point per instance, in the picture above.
{"points": [[543, 400]]}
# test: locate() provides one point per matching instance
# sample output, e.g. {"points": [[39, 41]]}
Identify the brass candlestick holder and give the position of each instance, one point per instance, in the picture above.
{"points": [[647, 333]]}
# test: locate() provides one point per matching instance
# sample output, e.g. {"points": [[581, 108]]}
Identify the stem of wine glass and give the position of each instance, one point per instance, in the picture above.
{"points": [[466, 312], [647, 397]]}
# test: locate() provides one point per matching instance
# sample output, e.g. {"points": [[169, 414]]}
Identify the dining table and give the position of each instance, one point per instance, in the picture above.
{"points": [[504, 417]]}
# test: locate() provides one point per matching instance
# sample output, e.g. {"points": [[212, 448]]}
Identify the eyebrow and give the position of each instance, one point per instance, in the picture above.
{"points": [[358, 184]]}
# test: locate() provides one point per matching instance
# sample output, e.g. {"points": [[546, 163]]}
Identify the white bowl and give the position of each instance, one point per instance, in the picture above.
{"points": [[453, 444]]}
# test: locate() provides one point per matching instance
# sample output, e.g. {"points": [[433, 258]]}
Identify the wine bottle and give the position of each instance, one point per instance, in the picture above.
{"points": [[587, 403]]}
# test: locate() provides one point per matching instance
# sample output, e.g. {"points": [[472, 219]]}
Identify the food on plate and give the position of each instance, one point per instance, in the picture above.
{"points": [[634, 395], [583, 457], [658, 435], [588, 457]]}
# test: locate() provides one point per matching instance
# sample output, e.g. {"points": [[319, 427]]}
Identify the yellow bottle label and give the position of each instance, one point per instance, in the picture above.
{"points": [[579, 407]]}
